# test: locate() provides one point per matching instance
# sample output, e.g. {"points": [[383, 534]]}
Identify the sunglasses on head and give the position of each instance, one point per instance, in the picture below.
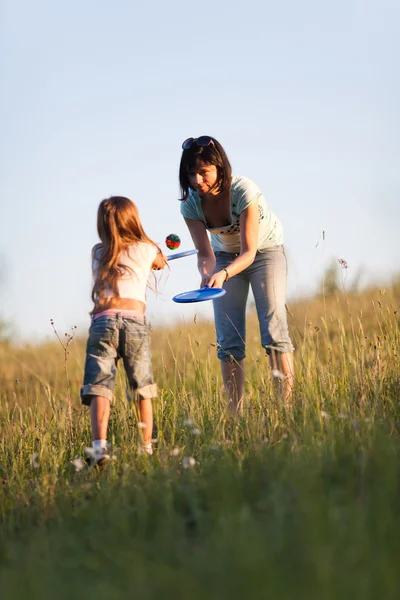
{"points": [[203, 140]]}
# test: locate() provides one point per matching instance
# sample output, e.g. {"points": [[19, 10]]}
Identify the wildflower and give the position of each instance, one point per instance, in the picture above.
{"points": [[141, 425], [188, 462], [34, 460], [276, 374], [79, 464], [175, 451], [343, 263], [188, 422], [196, 431], [324, 414]]}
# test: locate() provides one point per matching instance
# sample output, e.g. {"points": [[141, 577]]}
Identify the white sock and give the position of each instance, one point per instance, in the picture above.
{"points": [[100, 444]]}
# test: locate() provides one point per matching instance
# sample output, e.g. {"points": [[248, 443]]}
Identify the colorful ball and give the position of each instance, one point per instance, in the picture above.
{"points": [[172, 241]]}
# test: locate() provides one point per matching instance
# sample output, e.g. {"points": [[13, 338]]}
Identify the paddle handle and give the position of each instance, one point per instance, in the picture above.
{"points": [[181, 254]]}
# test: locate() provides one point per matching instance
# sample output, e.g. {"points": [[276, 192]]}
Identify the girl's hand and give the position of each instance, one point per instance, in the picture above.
{"points": [[217, 280], [159, 262]]}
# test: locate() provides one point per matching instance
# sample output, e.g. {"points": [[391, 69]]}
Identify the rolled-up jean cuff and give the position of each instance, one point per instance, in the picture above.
{"points": [[95, 390], [147, 391], [227, 356], [285, 348]]}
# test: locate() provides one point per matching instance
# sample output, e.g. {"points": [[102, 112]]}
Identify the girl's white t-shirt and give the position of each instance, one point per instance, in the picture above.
{"points": [[136, 263]]}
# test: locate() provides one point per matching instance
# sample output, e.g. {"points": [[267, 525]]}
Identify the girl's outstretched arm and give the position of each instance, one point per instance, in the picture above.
{"points": [[159, 262]]}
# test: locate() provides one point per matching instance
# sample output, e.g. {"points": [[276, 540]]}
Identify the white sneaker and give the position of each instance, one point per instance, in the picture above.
{"points": [[98, 458], [146, 449]]}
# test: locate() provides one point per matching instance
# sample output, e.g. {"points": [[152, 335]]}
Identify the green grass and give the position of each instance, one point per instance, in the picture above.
{"points": [[283, 503]]}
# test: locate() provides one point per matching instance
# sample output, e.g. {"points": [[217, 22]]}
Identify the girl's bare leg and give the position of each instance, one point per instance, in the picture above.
{"points": [[99, 416], [146, 417]]}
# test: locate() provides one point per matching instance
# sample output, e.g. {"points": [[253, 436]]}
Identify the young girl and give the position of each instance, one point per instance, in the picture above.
{"points": [[246, 249], [121, 265]]}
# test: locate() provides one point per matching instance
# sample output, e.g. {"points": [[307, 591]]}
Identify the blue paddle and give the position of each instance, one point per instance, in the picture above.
{"points": [[182, 254], [205, 293]]}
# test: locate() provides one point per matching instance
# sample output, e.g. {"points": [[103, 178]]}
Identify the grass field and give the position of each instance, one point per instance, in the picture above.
{"points": [[284, 503]]}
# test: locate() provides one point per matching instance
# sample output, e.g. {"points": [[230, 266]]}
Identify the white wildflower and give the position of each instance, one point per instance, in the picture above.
{"points": [[324, 414], [141, 425], [276, 374], [196, 431], [188, 422], [188, 462], [79, 464], [175, 451], [34, 460]]}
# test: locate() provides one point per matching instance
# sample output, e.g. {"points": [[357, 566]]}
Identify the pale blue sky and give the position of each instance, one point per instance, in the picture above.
{"points": [[98, 96]]}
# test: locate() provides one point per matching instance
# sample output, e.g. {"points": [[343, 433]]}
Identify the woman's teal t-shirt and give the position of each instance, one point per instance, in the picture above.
{"points": [[227, 239]]}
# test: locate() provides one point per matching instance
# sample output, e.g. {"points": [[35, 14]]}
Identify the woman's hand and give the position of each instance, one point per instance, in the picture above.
{"points": [[217, 280], [205, 278]]}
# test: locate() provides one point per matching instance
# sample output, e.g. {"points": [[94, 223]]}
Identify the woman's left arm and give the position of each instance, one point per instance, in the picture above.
{"points": [[248, 246]]}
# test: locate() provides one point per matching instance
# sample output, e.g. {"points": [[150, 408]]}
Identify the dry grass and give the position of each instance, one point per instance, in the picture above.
{"points": [[280, 503]]}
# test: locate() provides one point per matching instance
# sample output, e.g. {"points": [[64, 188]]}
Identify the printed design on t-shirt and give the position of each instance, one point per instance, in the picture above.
{"points": [[235, 227]]}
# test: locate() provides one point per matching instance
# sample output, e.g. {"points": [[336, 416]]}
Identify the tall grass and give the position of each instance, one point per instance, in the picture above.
{"points": [[299, 502]]}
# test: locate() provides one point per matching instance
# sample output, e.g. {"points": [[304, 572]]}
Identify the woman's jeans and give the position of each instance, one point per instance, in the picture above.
{"points": [[267, 277]]}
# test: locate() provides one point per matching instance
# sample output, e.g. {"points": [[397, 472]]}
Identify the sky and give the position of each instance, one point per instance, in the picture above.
{"points": [[97, 98]]}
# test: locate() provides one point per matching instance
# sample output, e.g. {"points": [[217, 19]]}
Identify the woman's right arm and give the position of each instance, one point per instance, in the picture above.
{"points": [[206, 256]]}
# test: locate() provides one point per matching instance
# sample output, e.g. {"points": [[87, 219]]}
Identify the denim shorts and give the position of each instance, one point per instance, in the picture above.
{"points": [[112, 337], [267, 278]]}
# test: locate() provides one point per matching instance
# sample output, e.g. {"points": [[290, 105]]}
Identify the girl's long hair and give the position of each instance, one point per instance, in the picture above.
{"points": [[118, 226]]}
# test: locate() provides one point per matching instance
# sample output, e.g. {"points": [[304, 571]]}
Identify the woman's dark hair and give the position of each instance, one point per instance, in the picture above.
{"points": [[213, 154]]}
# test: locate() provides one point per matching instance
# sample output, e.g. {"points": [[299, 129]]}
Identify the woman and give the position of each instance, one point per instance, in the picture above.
{"points": [[246, 249]]}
